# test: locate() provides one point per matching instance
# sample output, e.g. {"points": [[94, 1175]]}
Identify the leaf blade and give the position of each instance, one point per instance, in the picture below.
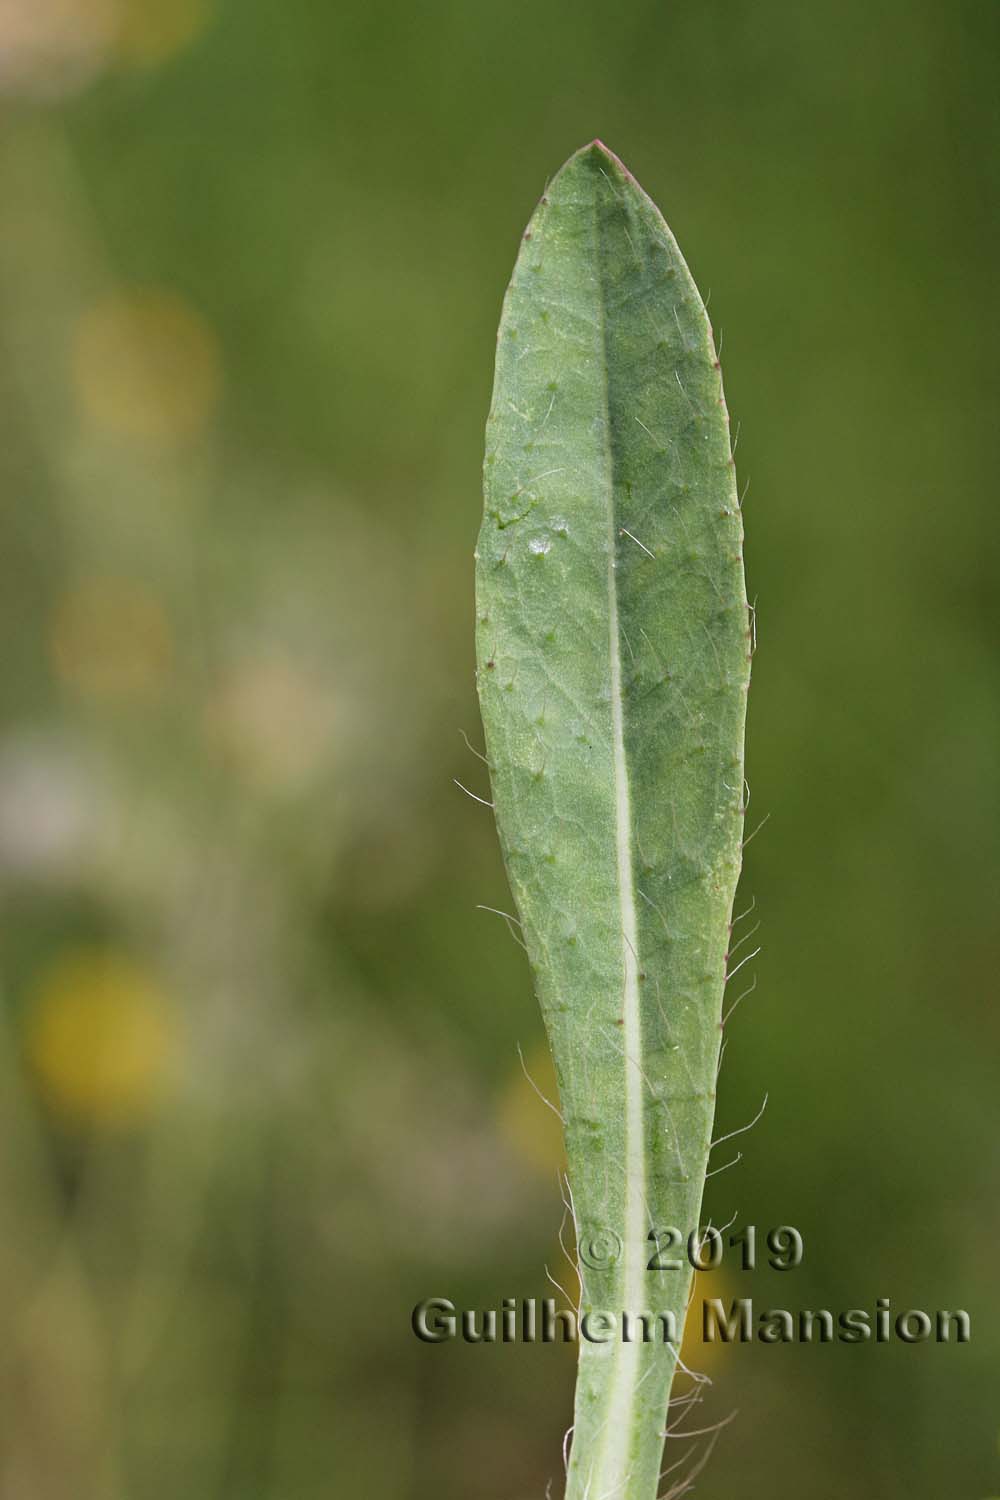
{"points": [[613, 666]]}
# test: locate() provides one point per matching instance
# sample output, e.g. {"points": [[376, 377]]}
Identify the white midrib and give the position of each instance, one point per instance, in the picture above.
{"points": [[611, 1471]]}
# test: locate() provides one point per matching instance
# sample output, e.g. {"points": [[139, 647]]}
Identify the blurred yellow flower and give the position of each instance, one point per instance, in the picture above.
{"points": [[147, 368], [152, 31], [98, 1038], [525, 1120], [110, 638]]}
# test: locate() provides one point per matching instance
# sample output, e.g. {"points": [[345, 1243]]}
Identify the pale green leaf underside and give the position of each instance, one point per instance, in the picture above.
{"points": [[613, 662]]}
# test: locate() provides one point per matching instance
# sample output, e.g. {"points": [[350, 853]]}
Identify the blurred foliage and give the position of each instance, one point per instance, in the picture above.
{"points": [[260, 1082]]}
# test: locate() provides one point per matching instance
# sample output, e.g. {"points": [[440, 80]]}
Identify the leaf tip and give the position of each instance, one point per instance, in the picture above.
{"points": [[603, 153]]}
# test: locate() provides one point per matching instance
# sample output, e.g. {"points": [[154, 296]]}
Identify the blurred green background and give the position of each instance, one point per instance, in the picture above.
{"points": [[260, 1086]]}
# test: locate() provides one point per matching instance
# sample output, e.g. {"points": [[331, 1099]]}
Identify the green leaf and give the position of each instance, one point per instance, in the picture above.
{"points": [[613, 664]]}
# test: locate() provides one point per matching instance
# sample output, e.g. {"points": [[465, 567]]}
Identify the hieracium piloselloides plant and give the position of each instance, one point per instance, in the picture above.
{"points": [[613, 664]]}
